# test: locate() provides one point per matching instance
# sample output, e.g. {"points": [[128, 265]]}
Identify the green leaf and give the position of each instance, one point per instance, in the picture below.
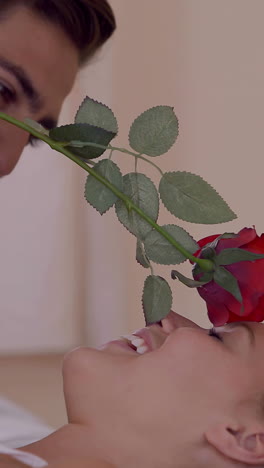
{"points": [[86, 133], [141, 256], [157, 299], [155, 131], [143, 193], [161, 251], [227, 235], [234, 255], [190, 198], [99, 196], [96, 114], [228, 282], [36, 126], [187, 281]]}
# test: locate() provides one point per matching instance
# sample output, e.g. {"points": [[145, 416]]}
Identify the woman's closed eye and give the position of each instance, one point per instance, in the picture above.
{"points": [[212, 332]]}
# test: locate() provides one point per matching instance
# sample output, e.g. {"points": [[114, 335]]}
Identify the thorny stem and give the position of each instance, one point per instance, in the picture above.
{"points": [[205, 265]]}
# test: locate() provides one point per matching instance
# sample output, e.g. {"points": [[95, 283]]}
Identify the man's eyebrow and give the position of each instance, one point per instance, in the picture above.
{"points": [[245, 325], [32, 95]]}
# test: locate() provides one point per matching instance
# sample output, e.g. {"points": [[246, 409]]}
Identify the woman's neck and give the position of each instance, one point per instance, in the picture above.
{"points": [[71, 440], [119, 449]]}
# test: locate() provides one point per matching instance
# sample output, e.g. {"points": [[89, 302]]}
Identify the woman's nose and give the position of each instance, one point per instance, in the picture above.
{"points": [[173, 321]]}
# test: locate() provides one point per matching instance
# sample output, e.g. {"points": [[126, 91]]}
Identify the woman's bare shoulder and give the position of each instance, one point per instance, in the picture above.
{"points": [[81, 463], [8, 462]]}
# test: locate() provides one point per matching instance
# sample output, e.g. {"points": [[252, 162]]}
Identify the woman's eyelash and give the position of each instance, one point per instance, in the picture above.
{"points": [[213, 332]]}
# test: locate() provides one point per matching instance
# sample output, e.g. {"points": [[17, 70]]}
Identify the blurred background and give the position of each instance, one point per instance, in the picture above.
{"points": [[68, 276]]}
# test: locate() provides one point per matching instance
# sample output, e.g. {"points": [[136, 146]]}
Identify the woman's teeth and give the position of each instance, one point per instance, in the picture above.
{"points": [[138, 343]]}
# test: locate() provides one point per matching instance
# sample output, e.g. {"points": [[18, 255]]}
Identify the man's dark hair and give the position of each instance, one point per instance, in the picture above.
{"points": [[88, 23]]}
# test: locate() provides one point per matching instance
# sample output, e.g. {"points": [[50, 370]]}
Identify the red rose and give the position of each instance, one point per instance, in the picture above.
{"points": [[221, 305]]}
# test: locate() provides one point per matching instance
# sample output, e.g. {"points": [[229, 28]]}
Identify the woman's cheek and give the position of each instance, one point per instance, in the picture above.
{"points": [[188, 342]]}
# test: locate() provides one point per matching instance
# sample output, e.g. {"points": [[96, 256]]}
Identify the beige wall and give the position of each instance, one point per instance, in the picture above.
{"points": [[205, 58]]}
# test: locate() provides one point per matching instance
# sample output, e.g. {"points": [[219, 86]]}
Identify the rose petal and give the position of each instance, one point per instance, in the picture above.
{"points": [[207, 240], [256, 245], [243, 237], [217, 315], [257, 315], [222, 306]]}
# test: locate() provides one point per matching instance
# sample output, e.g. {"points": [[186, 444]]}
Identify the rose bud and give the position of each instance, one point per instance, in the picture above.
{"points": [[223, 307]]}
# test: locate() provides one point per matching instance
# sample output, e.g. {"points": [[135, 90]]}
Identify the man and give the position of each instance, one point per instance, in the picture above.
{"points": [[42, 45]]}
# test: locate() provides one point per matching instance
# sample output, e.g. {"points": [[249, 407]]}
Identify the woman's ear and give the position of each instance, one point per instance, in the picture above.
{"points": [[243, 444]]}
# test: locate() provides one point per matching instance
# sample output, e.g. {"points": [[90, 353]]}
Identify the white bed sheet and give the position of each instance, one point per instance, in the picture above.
{"points": [[19, 427]]}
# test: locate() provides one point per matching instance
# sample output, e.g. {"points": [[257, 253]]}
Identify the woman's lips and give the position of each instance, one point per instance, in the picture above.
{"points": [[147, 339], [137, 343], [121, 343], [141, 341]]}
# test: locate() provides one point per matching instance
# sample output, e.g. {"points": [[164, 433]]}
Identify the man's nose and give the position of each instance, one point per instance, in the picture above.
{"points": [[173, 321]]}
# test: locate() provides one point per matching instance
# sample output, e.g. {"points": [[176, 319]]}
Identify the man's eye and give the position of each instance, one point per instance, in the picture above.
{"points": [[7, 96], [213, 332]]}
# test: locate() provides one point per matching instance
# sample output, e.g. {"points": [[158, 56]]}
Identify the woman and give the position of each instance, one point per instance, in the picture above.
{"points": [[190, 398]]}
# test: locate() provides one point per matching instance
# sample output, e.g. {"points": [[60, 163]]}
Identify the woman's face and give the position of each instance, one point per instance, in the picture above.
{"points": [[183, 377], [38, 65]]}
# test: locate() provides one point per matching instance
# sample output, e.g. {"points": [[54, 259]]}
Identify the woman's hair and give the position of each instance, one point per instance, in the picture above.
{"points": [[88, 23]]}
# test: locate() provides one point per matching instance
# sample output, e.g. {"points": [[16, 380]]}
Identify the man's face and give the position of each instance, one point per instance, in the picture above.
{"points": [[185, 381], [38, 66]]}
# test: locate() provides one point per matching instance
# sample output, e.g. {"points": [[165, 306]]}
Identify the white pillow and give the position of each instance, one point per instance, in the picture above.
{"points": [[19, 427]]}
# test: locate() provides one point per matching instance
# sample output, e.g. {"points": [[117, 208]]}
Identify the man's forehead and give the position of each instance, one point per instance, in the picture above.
{"points": [[37, 43], [41, 52]]}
